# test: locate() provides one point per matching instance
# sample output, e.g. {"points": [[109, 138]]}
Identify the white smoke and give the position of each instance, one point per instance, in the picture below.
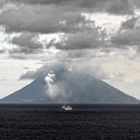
{"points": [[54, 89], [50, 78]]}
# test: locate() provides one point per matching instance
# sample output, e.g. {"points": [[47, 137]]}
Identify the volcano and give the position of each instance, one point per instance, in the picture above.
{"points": [[64, 86]]}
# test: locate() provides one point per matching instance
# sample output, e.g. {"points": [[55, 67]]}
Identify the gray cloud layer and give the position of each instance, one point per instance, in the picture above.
{"points": [[129, 34], [129, 24], [110, 6], [80, 40], [130, 37], [79, 32], [120, 7], [42, 19], [54, 16], [26, 43], [51, 16]]}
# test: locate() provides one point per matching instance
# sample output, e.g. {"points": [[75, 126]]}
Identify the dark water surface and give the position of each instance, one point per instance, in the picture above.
{"points": [[84, 122]]}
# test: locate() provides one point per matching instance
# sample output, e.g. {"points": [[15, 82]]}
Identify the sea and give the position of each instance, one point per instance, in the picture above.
{"points": [[83, 122]]}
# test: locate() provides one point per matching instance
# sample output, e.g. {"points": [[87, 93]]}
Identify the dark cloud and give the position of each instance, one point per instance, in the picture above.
{"points": [[2, 2], [40, 1], [79, 32], [129, 24], [128, 34], [80, 40], [128, 37], [26, 43], [120, 7], [94, 5], [41, 19], [136, 3], [55, 16], [52, 16], [110, 6]]}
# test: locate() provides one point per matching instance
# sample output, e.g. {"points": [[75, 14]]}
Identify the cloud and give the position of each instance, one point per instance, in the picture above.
{"points": [[79, 40], [129, 24], [41, 19], [26, 43], [2, 50], [56, 16], [128, 34], [120, 7], [136, 3], [58, 66], [78, 3], [128, 37], [43, 71], [111, 6], [46, 17], [80, 33]]}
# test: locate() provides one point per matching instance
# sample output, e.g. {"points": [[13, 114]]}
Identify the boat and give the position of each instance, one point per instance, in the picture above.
{"points": [[66, 107]]}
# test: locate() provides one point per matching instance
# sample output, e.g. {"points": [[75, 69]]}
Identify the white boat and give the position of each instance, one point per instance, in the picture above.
{"points": [[66, 107]]}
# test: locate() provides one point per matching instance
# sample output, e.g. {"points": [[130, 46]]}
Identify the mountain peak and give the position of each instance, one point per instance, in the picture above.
{"points": [[63, 85]]}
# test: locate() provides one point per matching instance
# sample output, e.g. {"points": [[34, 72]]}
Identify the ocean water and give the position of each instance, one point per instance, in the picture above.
{"points": [[84, 122]]}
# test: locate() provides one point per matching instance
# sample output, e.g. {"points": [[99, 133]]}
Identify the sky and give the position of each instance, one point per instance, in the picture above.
{"points": [[100, 37]]}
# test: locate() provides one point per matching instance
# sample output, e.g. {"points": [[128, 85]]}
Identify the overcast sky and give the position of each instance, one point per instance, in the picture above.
{"points": [[101, 37]]}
